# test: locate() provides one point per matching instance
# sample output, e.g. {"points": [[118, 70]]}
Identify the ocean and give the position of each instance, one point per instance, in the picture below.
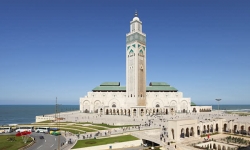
{"points": [[232, 107], [22, 114]]}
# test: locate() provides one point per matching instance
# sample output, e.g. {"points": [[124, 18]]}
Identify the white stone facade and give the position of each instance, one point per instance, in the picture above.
{"points": [[136, 98], [187, 128], [157, 103]]}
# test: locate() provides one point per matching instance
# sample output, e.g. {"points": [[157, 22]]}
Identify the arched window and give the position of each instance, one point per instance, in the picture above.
{"points": [[113, 105], [157, 105], [141, 52], [131, 53]]}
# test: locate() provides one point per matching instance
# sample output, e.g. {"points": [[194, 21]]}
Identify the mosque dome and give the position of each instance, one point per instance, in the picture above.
{"points": [[136, 19]]}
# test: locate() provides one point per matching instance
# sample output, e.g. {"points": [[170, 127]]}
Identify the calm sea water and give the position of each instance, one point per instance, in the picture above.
{"points": [[20, 114], [232, 107]]}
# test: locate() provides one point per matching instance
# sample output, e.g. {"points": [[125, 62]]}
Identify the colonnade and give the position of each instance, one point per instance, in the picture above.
{"points": [[202, 129], [217, 146], [138, 111], [192, 130], [205, 110], [237, 128]]}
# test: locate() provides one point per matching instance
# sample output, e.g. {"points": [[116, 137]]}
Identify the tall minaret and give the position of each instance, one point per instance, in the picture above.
{"points": [[136, 64]]}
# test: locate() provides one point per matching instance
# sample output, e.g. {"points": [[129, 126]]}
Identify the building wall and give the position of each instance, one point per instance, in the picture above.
{"points": [[97, 100], [188, 128], [201, 108], [174, 100], [233, 126], [178, 128]]}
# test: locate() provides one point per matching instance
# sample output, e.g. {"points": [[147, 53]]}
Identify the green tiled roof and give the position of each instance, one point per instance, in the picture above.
{"points": [[193, 104], [153, 86], [109, 88], [158, 84], [161, 88], [110, 84]]}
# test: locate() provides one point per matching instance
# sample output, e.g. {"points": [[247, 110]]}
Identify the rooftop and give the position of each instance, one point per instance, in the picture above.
{"points": [[153, 87]]}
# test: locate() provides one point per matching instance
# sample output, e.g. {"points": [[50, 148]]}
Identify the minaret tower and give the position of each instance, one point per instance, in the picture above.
{"points": [[136, 64]]}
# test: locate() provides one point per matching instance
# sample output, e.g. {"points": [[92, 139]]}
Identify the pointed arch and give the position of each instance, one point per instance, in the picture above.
{"points": [[114, 103], [211, 128], [184, 106], [187, 132], [157, 102], [86, 106], [225, 127], [182, 133], [141, 52], [192, 131], [173, 103], [97, 106], [217, 127]]}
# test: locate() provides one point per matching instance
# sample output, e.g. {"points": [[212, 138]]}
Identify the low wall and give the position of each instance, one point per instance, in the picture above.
{"points": [[216, 144], [52, 116], [114, 145], [44, 118]]}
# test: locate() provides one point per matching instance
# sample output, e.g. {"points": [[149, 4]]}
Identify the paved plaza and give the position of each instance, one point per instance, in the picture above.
{"points": [[151, 128]]}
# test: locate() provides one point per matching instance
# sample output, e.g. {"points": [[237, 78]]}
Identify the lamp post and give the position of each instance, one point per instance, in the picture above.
{"points": [[218, 100]]}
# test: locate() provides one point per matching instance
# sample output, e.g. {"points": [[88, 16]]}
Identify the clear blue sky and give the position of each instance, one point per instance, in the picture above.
{"points": [[64, 49]]}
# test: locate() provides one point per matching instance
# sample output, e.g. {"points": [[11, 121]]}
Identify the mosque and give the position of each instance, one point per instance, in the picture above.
{"points": [[136, 98], [158, 98]]}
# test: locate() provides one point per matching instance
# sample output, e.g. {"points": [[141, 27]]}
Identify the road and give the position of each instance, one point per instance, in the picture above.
{"points": [[50, 142]]}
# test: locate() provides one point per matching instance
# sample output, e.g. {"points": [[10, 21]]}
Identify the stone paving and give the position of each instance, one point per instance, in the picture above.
{"points": [[155, 121]]}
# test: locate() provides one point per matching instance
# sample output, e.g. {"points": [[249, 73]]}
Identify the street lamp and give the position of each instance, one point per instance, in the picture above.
{"points": [[218, 100]]}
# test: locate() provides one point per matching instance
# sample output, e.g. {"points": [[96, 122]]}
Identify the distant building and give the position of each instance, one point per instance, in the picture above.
{"points": [[136, 98]]}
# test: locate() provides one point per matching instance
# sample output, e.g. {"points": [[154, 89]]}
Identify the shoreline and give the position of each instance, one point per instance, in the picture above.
{"points": [[228, 111]]}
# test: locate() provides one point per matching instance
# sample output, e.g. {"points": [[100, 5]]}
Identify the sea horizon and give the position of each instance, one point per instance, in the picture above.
{"points": [[22, 114], [25, 114]]}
